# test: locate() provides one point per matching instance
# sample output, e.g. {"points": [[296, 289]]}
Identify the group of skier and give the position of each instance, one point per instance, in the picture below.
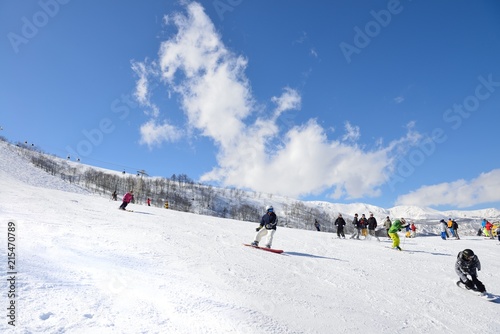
{"points": [[364, 227], [488, 228], [466, 265], [449, 229]]}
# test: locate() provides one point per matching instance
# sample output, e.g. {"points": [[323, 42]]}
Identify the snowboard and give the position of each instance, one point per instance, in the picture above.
{"points": [[272, 250], [486, 296]]}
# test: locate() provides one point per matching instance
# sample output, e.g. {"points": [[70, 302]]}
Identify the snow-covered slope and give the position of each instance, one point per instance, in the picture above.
{"points": [[20, 157], [82, 266], [15, 164]]}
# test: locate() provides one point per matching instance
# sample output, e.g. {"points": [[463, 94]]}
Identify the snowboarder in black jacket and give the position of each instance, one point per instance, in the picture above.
{"points": [[466, 268], [267, 226]]}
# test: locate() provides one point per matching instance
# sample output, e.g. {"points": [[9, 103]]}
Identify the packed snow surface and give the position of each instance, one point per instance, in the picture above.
{"points": [[83, 266]]}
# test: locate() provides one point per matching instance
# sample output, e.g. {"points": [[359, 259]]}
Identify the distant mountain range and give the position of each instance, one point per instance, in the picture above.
{"points": [[407, 211]]}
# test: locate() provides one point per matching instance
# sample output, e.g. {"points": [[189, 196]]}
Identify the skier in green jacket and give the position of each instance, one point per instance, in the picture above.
{"points": [[393, 232]]}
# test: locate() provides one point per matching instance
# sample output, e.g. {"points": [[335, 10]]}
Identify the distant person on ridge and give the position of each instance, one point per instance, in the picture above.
{"points": [[393, 232], [267, 226], [340, 223], [114, 196], [127, 198], [316, 224]]}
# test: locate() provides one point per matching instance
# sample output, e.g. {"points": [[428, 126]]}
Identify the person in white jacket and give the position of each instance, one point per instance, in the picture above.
{"points": [[444, 226]]}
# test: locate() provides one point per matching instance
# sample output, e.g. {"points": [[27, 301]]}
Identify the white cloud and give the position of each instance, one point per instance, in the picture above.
{"points": [[289, 100], [141, 89], [352, 132], [216, 97], [153, 134], [460, 193], [214, 91], [306, 163]]}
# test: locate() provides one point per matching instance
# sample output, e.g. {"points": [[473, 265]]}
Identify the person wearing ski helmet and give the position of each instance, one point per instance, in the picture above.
{"points": [[393, 232], [466, 267], [267, 226]]}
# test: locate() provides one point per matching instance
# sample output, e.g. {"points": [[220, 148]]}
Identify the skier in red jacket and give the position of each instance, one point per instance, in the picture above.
{"points": [[127, 198]]}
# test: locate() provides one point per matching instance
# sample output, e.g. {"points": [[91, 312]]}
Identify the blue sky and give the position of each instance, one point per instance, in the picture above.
{"points": [[382, 102]]}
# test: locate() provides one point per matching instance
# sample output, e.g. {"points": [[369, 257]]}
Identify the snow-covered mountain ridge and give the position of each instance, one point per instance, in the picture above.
{"points": [[416, 213]]}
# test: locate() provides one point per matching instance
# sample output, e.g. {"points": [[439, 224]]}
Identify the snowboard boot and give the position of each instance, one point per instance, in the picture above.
{"points": [[255, 244], [268, 246]]}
